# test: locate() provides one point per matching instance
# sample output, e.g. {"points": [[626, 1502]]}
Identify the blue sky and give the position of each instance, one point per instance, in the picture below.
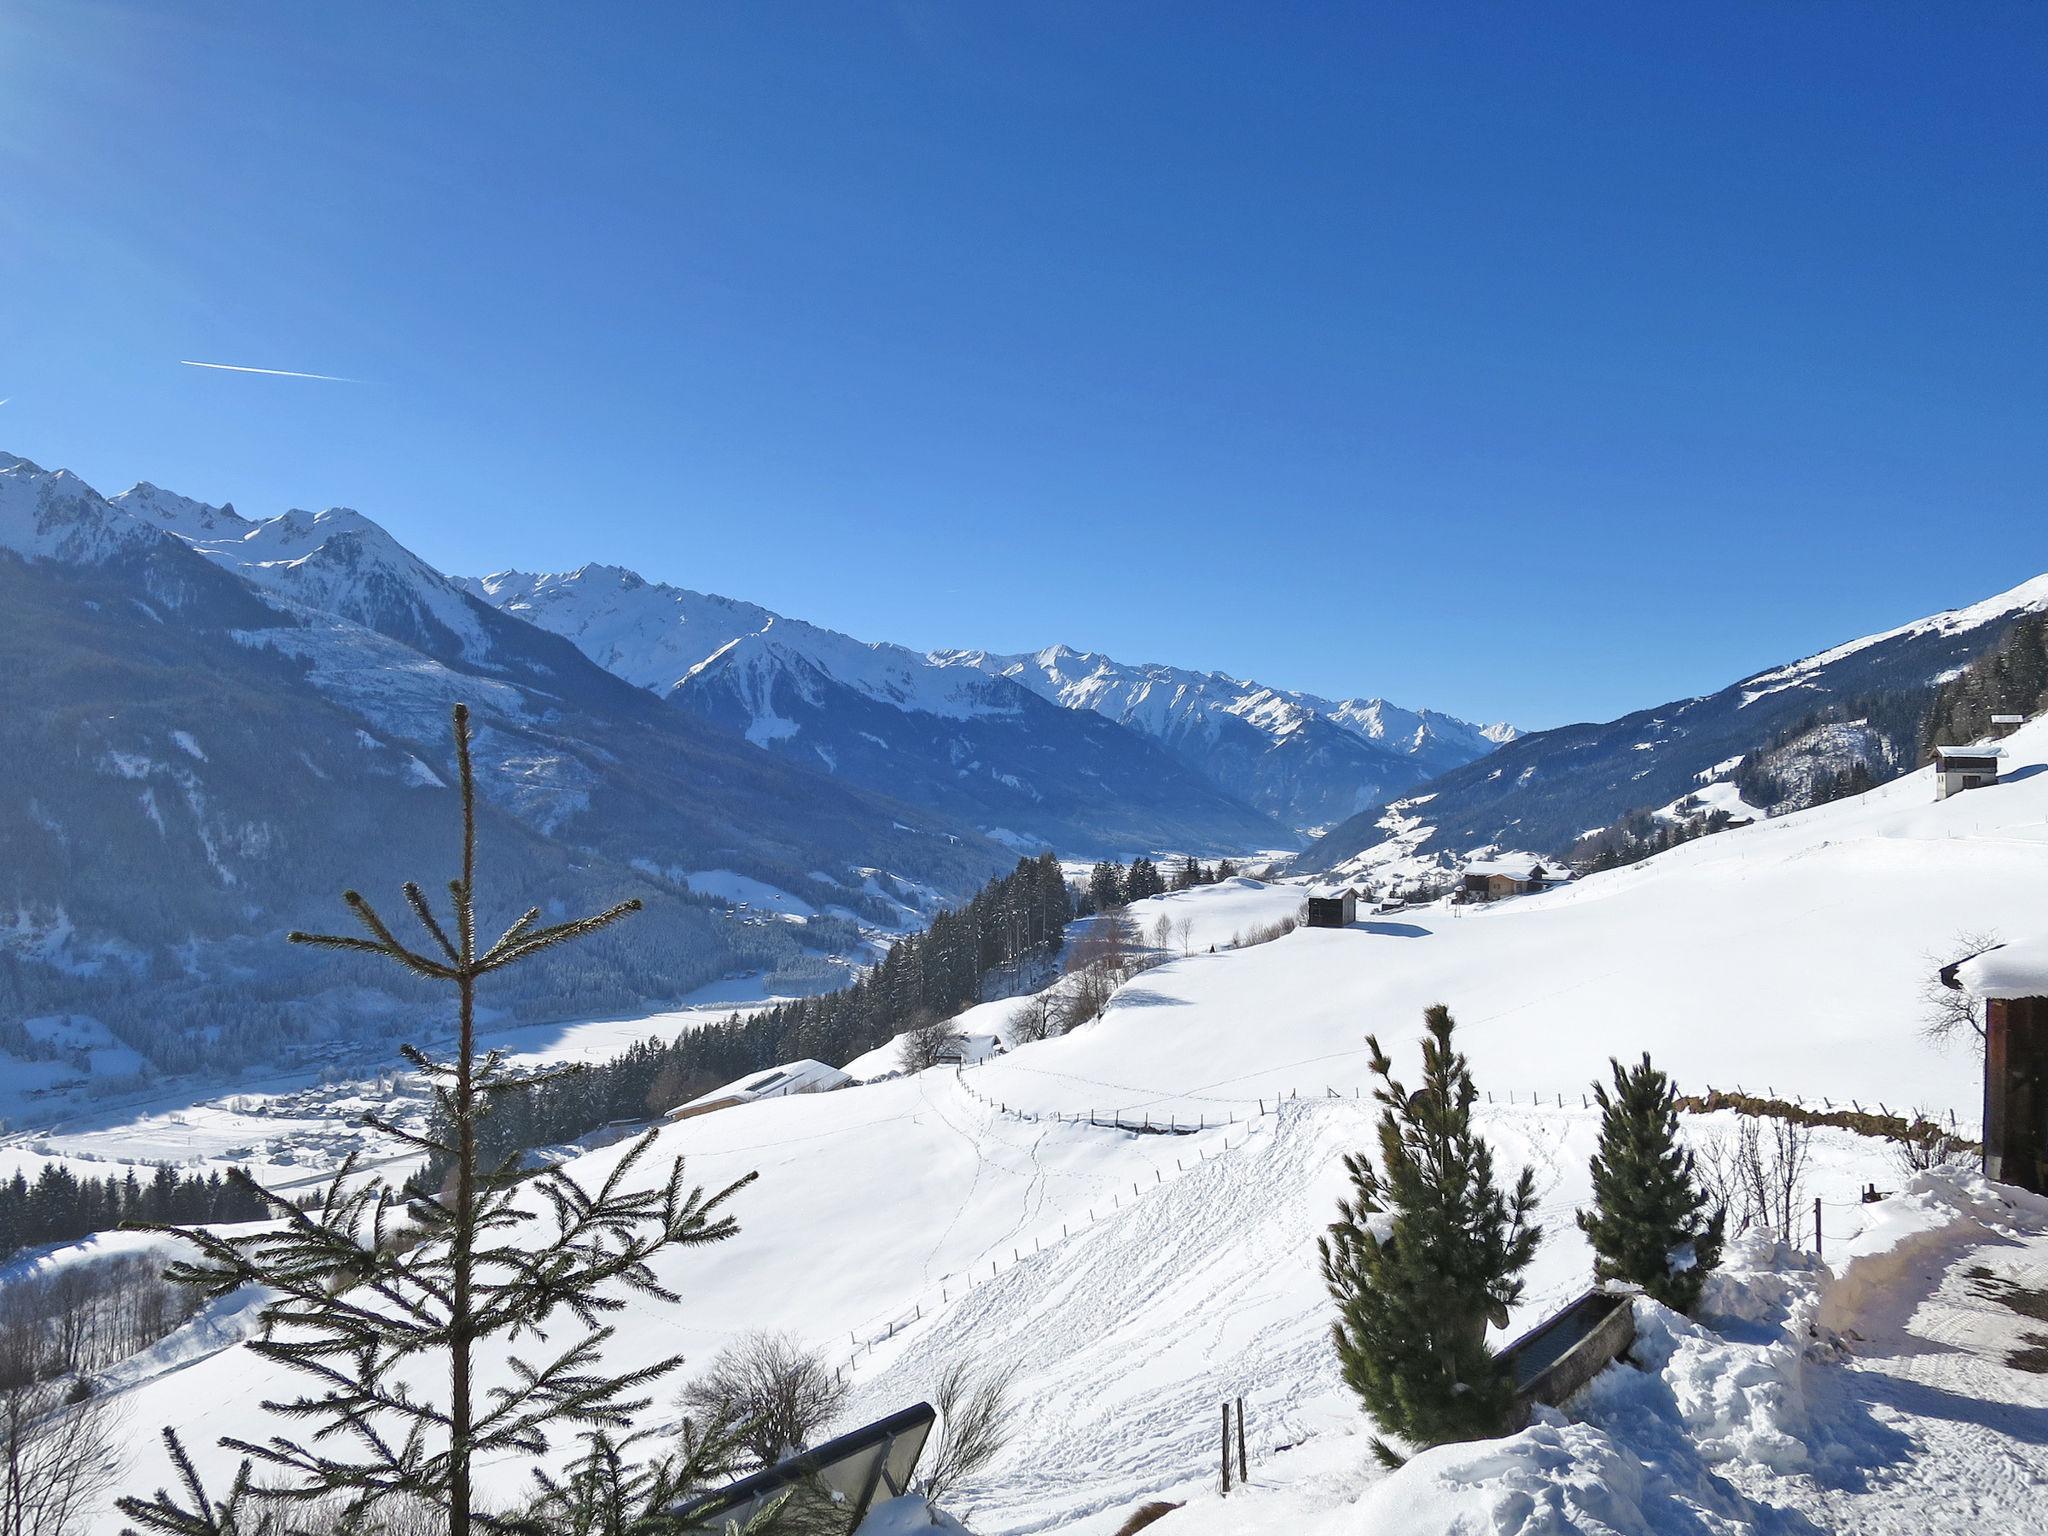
{"points": [[1528, 362]]}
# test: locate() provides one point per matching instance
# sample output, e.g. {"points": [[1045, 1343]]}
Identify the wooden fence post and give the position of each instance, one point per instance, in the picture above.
{"points": [[1226, 1450], [1816, 1226], [1243, 1476]]}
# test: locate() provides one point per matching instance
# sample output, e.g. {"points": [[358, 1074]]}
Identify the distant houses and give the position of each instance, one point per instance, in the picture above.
{"points": [[1510, 875], [776, 1083]]}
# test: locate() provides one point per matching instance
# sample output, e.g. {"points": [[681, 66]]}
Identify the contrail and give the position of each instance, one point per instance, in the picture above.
{"points": [[275, 373]]}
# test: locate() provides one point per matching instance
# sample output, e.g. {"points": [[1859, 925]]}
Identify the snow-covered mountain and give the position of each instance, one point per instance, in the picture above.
{"points": [[1543, 790], [1305, 760], [212, 726], [952, 738]]}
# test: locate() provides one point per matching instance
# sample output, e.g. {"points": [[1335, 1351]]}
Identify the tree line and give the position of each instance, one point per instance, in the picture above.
{"points": [[1112, 886], [2009, 679], [60, 1206], [1013, 921]]}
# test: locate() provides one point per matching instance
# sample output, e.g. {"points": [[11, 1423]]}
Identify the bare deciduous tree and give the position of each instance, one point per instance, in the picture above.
{"points": [[1036, 1018], [59, 1442], [928, 1044], [973, 1413], [1949, 1016], [776, 1392], [1763, 1176]]}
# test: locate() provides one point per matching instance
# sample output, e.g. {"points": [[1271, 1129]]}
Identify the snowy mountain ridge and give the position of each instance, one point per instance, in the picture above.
{"points": [[1306, 760], [1545, 789]]}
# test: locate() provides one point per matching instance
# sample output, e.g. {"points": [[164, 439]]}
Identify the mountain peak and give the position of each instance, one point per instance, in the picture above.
{"points": [[54, 515], [177, 514]]}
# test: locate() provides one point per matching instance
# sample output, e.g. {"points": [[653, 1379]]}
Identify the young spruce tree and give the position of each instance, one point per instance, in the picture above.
{"points": [[1648, 1224], [389, 1334], [1425, 1254]]}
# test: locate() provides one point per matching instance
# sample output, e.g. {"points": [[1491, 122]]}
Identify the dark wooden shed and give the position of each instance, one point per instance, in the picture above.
{"points": [[2011, 982], [1339, 911]]}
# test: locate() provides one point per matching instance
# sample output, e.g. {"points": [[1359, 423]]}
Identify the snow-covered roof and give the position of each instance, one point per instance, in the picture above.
{"points": [[805, 1076], [1516, 866], [2010, 970], [1980, 749]]}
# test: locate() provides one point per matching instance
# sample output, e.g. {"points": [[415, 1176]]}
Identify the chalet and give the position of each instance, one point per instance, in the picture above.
{"points": [[777, 1083], [2011, 981], [1514, 875], [1959, 768], [1339, 910]]}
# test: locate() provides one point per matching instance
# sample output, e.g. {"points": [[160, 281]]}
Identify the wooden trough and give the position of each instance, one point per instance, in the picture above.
{"points": [[1562, 1353]]}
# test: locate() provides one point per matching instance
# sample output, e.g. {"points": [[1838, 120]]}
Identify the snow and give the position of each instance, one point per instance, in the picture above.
{"points": [[1717, 796], [1165, 701], [46, 515], [2009, 971], [1134, 1281], [2027, 597], [792, 1077], [746, 891]]}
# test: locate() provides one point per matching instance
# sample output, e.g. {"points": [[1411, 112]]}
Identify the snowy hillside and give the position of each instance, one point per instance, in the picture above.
{"points": [[1543, 790], [1305, 760], [1138, 1280]]}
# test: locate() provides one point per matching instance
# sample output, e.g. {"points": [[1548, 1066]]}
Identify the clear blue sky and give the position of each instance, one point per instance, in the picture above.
{"points": [[1525, 361]]}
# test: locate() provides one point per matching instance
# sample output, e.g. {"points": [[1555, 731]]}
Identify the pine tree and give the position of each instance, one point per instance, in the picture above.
{"points": [[1425, 1253], [372, 1324], [1648, 1225]]}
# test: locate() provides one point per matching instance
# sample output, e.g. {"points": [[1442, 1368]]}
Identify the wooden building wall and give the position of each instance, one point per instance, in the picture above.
{"points": [[2016, 1092]]}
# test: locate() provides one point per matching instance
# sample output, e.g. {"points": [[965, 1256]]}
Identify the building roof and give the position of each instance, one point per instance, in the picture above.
{"points": [[2006, 971], [805, 1076], [1516, 866], [2008, 719], [1979, 749]]}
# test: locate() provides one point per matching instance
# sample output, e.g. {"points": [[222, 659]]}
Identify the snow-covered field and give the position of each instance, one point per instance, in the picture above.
{"points": [[1136, 1281]]}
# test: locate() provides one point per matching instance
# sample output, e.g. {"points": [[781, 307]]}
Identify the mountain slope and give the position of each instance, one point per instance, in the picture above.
{"points": [[951, 738], [1303, 760], [208, 741], [1125, 1278], [1543, 790]]}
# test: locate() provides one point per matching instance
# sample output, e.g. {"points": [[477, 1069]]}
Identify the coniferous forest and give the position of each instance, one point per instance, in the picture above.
{"points": [[1013, 921], [60, 1205]]}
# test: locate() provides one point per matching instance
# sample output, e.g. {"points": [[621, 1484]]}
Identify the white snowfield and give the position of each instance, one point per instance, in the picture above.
{"points": [[1134, 1282]]}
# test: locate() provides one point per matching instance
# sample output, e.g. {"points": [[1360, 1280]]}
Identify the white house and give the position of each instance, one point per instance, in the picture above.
{"points": [[1959, 768]]}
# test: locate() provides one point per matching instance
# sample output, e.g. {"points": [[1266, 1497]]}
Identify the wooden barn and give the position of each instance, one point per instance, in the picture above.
{"points": [[1959, 768], [2010, 981], [1339, 910]]}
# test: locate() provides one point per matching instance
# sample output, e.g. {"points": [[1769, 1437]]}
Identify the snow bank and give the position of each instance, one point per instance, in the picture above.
{"points": [[1552, 1478], [1935, 1213]]}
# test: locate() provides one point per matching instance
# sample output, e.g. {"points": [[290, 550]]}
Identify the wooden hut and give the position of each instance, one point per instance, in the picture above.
{"points": [[1339, 910], [2011, 982]]}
